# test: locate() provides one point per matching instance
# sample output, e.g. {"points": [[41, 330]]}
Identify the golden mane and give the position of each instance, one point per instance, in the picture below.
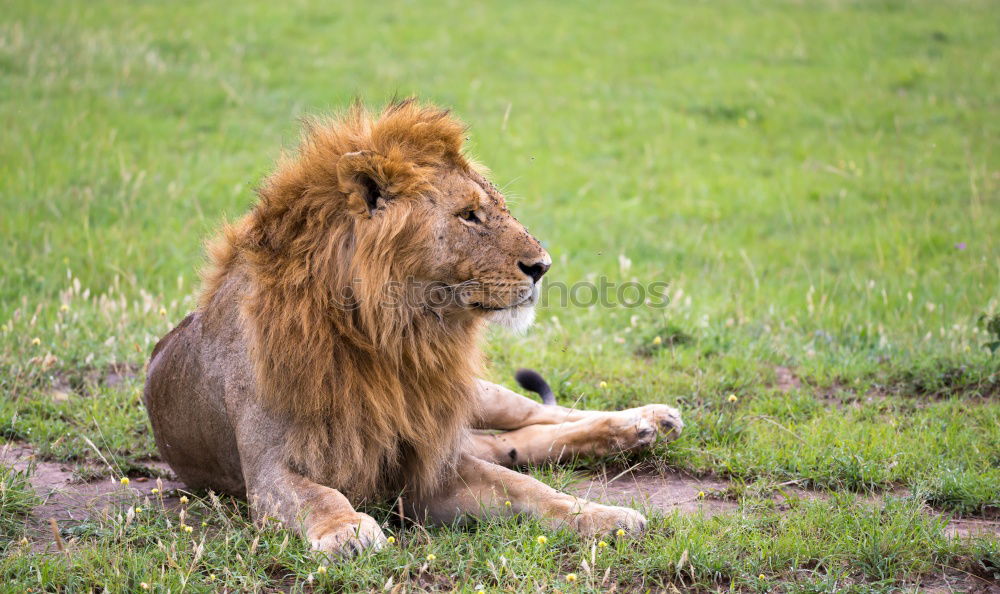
{"points": [[386, 391]]}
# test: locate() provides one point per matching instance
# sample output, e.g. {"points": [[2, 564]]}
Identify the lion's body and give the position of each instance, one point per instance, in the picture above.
{"points": [[295, 382]]}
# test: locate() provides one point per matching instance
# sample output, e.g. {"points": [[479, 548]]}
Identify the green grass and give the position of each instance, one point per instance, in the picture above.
{"points": [[818, 182]]}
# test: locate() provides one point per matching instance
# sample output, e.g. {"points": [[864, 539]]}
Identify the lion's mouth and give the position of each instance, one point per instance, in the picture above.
{"points": [[528, 300]]}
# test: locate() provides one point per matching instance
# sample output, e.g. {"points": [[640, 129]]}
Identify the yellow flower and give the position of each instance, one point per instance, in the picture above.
{"points": [[480, 591], [602, 385], [506, 503], [761, 576], [657, 340], [391, 539], [188, 529], [211, 577], [541, 539], [204, 524], [321, 570], [163, 311], [701, 494], [138, 510], [124, 480], [733, 398], [184, 499], [23, 541], [36, 341], [63, 307], [571, 577], [620, 532], [431, 557], [155, 491], [602, 544]]}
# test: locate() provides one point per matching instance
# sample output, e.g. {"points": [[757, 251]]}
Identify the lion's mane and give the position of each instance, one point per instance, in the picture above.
{"points": [[378, 399]]}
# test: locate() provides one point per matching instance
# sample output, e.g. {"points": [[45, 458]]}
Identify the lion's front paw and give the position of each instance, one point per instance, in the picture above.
{"points": [[347, 537], [666, 419], [596, 519]]}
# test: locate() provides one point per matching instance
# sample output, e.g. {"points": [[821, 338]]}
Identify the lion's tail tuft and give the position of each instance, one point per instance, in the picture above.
{"points": [[529, 379]]}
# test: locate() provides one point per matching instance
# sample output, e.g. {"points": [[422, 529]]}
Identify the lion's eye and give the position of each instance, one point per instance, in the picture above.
{"points": [[468, 215]]}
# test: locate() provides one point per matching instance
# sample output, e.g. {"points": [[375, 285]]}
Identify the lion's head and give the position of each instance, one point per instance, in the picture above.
{"points": [[450, 242], [372, 259]]}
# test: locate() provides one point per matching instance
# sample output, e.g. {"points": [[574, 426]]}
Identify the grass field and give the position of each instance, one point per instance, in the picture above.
{"points": [[819, 182]]}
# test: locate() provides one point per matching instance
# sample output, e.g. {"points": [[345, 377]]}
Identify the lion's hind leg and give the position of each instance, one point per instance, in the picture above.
{"points": [[533, 433], [595, 435]]}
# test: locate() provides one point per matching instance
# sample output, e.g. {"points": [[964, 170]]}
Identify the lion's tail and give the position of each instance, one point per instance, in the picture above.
{"points": [[529, 379]]}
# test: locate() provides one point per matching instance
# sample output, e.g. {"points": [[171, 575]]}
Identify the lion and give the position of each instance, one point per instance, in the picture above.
{"points": [[333, 359]]}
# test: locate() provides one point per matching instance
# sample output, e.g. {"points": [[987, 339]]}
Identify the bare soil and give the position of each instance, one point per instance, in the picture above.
{"points": [[69, 502]]}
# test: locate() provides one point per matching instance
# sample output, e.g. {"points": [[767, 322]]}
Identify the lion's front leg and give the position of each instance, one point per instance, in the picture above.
{"points": [[322, 515], [482, 489]]}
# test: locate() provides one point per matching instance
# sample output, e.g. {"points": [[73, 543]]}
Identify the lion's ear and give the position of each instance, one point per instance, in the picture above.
{"points": [[362, 177]]}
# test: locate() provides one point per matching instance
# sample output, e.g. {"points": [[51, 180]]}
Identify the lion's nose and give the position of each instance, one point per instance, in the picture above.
{"points": [[535, 270]]}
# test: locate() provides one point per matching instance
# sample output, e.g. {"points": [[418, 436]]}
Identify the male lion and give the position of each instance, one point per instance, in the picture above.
{"points": [[333, 357]]}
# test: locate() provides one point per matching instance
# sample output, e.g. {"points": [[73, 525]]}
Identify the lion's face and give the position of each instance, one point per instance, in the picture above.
{"points": [[449, 238], [480, 249]]}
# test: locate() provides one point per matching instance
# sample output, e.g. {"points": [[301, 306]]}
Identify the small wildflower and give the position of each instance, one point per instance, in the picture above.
{"points": [[163, 311], [391, 540], [761, 576], [506, 503], [620, 532], [155, 491], [603, 385], [36, 341], [23, 541], [321, 570], [63, 307], [602, 544], [701, 494], [480, 591], [431, 557], [204, 524], [211, 577], [184, 499], [124, 480], [733, 398], [541, 539], [570, 577], [657, 340], [188, 529], [138, 510]]}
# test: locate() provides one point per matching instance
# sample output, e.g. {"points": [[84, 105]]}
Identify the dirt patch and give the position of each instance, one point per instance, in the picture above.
{"points": [[673, 491], [786, 380], [664, 492], [66, 383], [954, 581], [70, 502]]}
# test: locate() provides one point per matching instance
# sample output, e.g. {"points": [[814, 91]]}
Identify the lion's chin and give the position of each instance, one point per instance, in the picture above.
{"points": [[516, 319]]}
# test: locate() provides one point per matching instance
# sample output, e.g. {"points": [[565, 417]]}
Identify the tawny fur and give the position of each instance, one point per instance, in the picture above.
{"points": [[298, 385], [384, 391]]}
